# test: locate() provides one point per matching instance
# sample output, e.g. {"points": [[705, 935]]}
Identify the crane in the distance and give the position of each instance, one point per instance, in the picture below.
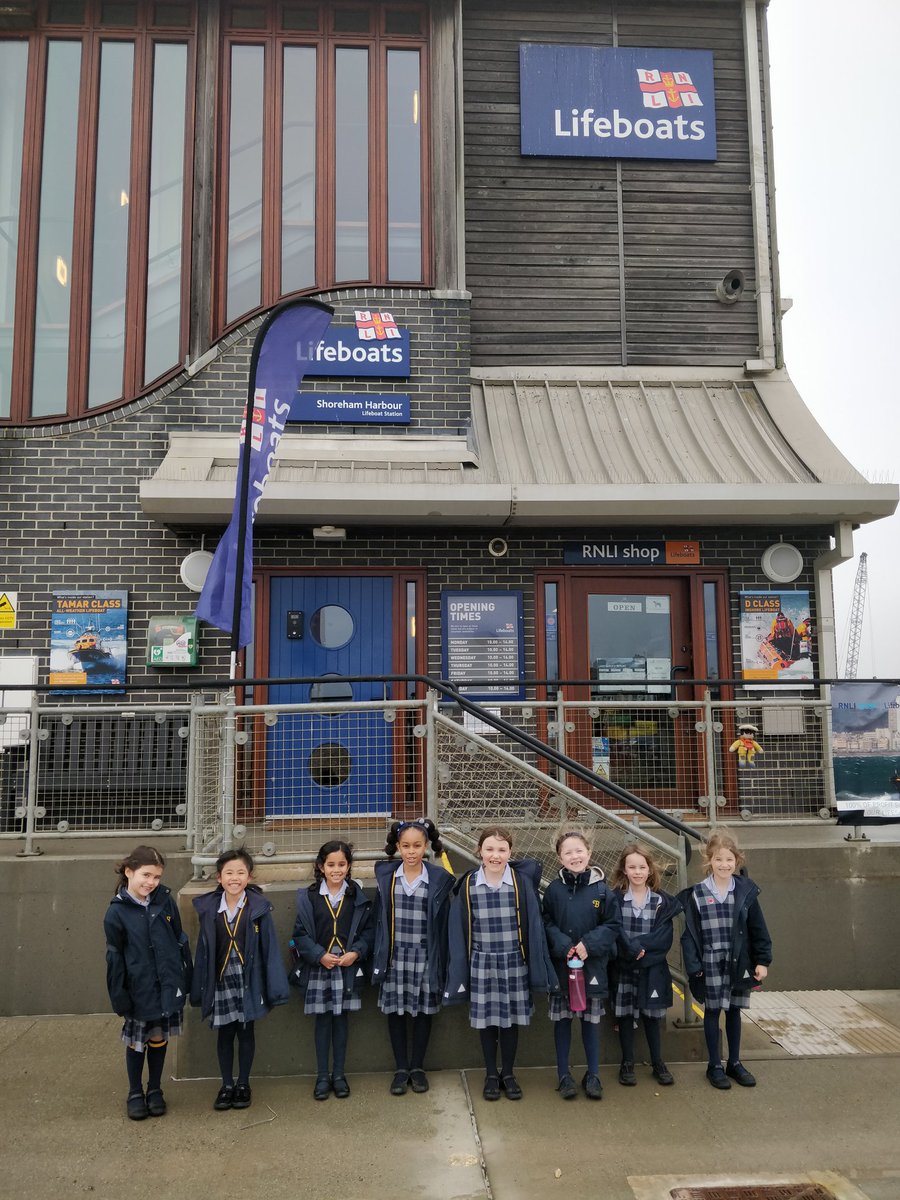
{"points": [[857, 608]]}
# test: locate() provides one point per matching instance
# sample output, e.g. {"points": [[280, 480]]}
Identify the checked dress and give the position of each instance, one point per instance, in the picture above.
{"points": [[716, 925], [499, 990], [405, 988]]}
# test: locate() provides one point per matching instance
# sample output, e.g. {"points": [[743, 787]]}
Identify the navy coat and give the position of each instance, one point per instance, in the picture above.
{"points": [[265, 979], [581, 908], [440, 888], [148, 958], [656, 942], [750, 942], [542, 976], [307, 952]]}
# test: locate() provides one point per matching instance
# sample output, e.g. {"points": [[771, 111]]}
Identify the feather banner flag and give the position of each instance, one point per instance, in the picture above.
{"points": [[279, 361]]}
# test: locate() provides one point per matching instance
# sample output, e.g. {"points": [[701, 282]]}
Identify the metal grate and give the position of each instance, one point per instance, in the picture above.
{"points": [[766, 1191]]}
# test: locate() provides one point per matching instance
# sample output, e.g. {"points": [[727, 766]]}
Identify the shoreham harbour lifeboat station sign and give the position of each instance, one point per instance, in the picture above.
{"points": [[604, 102]]}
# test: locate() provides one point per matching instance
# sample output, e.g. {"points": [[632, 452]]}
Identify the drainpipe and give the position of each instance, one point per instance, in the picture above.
{"points": [[841, 551], [765, 303]]}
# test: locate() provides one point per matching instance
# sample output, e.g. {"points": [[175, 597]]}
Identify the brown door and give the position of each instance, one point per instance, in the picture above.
{"points": [[631, 638]]}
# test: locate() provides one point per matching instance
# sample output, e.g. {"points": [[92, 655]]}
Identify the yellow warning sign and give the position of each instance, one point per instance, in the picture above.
{"points": [[8, 606]]}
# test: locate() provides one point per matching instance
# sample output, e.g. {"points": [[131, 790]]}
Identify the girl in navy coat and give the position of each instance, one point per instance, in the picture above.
{"points": [[643, 982], [332, 939], [410, 956], [239, 973], [582, 921], [498, 954], [148, 974], [727, 950]]}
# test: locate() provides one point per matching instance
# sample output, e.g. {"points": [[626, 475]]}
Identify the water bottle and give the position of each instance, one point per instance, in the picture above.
{"points": [[577, 992]]}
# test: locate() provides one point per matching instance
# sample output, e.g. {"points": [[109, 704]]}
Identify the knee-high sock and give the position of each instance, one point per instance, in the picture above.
{"points": [[225, 1052], [421, 1032], [397, 1034], [653, 1030], [134, 1065], [590, 1037], [733, 1034], [509, 1043], [562, 1039], [246, 1039], [156, 1056], [711, 1033], [340, 1032], [488, 1038], [323, 1042], [626, 1037]]}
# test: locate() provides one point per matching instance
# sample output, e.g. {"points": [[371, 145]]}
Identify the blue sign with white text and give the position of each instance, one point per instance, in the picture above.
{"points": [[351, 408], [358, 351], [605, 102]]}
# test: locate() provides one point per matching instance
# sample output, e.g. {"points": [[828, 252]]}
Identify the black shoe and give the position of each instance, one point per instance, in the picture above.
{"points": [[341, 1087], [593, 1089], [491, 1089], [241, 1097], [136, 1107], [156, 1103], [399, 1083], [322, 1090], [740, 1074], [627, 1077], [225, 1097], [418, 1080], [510, 1085], [716, 1077], [662, 1074], [567, 1088]]}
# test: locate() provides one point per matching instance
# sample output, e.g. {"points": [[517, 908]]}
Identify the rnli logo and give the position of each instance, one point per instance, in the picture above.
{"points": [[668, 89]]}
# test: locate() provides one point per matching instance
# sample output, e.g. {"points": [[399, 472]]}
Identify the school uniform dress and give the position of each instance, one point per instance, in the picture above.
{"points": [[716, 923], [580, 908], [406, 988], [148, 966], [326, 991], [637, 923], [500, 992], [231, 944], [723, 941]]}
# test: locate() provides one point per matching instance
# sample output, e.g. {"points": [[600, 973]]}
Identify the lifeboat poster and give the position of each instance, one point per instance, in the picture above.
{"points": [[776, 638], [88, 639]]}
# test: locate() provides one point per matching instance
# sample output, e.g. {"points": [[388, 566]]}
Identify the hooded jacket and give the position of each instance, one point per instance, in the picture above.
{"points": [[542, 976], [148, 958], [307, 952], [750, 941], [654, 979], [440, 888], [581, 908], [265, 979]]}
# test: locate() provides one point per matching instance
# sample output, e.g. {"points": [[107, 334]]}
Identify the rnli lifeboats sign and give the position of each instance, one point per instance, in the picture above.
{"points": [[374, 347], [605, 102]]}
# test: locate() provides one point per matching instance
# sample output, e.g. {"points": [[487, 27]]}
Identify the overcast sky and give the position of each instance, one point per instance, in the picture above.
{"points": [[837, 174]]}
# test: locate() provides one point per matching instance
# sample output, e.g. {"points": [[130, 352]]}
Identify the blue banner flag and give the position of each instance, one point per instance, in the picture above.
{"points": [[279, 362]]}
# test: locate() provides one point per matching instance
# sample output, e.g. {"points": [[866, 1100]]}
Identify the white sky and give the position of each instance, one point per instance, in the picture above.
{"points": [[837, 173]]}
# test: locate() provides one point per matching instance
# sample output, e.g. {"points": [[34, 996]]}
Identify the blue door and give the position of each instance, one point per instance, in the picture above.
{"points": [[322, 764]]}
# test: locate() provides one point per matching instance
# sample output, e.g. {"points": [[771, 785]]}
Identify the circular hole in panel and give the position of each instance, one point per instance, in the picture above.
{"points": [[330, 687], [330, 764], [331, 626]]}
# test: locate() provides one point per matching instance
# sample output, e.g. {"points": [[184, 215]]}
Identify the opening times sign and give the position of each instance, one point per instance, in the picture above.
{"points": [[482, 639]]}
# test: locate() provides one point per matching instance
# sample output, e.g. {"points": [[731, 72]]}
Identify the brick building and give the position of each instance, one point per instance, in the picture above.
{"points": [[567, 206]]}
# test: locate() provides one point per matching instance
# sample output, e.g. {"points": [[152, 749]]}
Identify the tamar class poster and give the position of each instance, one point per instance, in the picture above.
{"points": [[88, 639]]}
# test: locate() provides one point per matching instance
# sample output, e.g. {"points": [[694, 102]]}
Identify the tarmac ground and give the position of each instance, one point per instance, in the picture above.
{"points": [[828, 1120]]}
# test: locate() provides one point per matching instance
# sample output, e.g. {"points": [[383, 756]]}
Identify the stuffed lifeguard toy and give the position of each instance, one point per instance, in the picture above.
{"points": [[746, 746]]}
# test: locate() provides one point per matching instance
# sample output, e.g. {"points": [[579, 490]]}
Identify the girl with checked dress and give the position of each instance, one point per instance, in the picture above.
{"points": [[727, 951], [643, 982], [498, 954], [332, 939], [239, 974]]}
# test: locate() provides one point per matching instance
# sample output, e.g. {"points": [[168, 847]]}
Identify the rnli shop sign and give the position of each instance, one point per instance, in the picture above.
{"points": [[601, 102]]}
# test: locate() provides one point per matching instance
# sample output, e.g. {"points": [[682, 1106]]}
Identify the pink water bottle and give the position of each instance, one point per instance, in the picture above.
{"points": [[577, 993]]}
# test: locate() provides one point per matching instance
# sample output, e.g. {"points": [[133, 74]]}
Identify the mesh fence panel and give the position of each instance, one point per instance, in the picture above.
{"points": [[14, 726]]}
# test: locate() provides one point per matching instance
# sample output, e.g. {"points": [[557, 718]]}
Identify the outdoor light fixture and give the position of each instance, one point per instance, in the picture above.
{"points": [[781, 562], [329, 533], [194, 569]]}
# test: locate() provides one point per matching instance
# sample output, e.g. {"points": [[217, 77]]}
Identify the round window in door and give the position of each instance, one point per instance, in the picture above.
{"points": [[330, 687], [330, 764], [331, 626]]}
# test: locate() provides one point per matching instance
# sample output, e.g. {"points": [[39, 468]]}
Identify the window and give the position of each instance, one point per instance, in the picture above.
{"points": [[322, 172], [93, 206]]}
